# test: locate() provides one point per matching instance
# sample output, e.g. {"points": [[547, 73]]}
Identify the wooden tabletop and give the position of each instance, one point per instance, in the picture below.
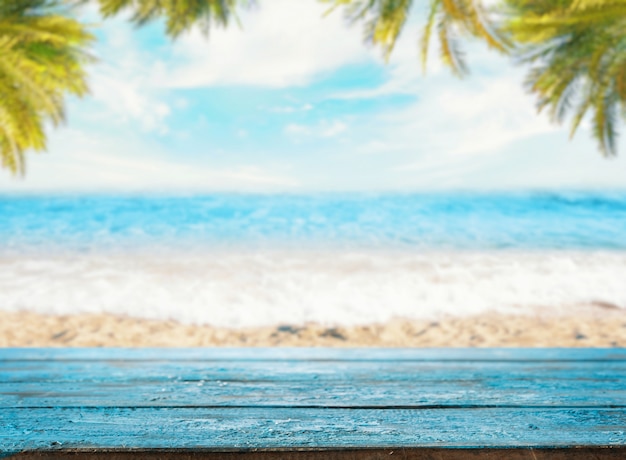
{"points": [[312, 403]]}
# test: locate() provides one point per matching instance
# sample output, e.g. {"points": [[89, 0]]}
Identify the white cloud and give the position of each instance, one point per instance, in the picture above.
{"points": [[83, 161], [120, 81], [483, 114], [322, 129], [295, 129], [496, 114], [282, 43], [405, 74], [127, 99], [333, 128]]}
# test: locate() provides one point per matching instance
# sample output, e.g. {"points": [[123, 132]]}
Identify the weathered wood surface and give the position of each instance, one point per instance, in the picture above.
{"points": [[304, 383], [313, 354], [209, 402], [233, 428], [336, 454]]}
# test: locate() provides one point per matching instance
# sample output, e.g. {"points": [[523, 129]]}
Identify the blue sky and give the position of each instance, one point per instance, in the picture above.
{"points": [[293, 101]]}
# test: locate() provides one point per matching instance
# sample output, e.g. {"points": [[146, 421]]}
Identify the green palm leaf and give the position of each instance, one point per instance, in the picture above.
{"points": [[43, 53], [577, 51], [385, 19], [180, 15]]}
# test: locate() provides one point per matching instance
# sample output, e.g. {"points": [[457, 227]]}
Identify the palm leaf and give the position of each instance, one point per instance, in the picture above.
{"points": [[384, 21], [43, 57], [577, 52], [179, 15]]}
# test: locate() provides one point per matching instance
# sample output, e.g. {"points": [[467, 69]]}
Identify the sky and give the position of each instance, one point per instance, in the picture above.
{"points": [[293, 100]]}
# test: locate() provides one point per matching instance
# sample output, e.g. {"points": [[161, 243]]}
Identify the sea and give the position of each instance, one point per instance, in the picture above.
{"points": [[240, 260]]}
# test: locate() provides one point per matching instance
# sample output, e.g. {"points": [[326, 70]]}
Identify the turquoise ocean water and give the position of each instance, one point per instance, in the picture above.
{"points": [[436, 221], [336, 258]]}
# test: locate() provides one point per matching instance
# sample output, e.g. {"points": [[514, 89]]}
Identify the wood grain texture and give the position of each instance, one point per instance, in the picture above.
{"points": [[348, 403], [294, 383], [593, 453], [313, 354], [233, 428]]}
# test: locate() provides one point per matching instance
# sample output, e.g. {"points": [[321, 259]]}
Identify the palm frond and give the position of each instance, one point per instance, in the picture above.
{"points": [[43, 57], [179, 15], [451, 55], [577, 52], [384, 21]]}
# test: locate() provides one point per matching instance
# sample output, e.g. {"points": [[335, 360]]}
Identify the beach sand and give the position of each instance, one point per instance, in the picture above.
{"points": [[599, 325]]}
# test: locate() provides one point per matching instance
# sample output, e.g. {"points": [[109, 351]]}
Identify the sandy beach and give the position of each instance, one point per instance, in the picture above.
{"points": [[593, 326]]}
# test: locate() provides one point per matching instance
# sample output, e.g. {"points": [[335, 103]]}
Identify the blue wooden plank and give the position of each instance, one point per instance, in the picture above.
{"points": [[310, 398], [294, 428], [297, 383], [273, 394], [310, 354], [298, 370]]}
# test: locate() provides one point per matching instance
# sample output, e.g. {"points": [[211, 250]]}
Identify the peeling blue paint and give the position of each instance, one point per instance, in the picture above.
{"points": [[217, 399]]}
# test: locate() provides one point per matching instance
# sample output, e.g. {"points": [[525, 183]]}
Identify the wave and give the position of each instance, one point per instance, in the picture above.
{"points": [[252, 288]]}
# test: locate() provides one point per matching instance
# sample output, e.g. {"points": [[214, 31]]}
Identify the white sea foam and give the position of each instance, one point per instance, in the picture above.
{"points": [[269, 287]]}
